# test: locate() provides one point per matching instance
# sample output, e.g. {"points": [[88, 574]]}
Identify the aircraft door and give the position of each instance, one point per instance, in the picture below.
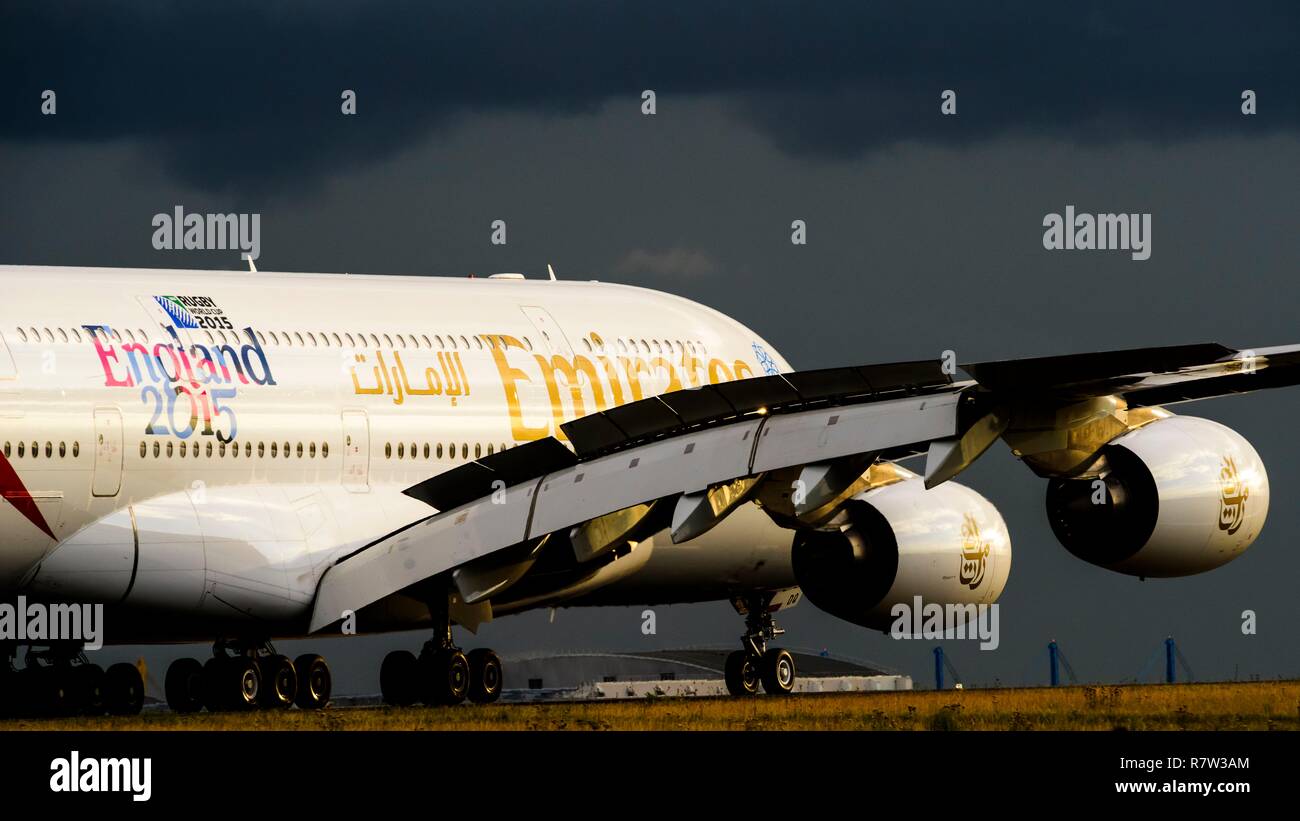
{"points": [[356, 451], [553, 338], [7, 368], [108, 452]]}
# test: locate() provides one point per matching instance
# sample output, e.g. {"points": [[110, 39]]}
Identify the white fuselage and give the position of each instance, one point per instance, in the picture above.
{"points": [[213, 440]]}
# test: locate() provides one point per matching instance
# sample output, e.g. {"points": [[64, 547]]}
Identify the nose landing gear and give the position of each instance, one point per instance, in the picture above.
{"points": [[756, 663]]}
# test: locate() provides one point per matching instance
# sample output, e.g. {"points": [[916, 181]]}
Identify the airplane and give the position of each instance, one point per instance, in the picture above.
{"points": [[243, 457]]}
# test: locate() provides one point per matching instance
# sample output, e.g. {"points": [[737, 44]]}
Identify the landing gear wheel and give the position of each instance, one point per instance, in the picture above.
{"points": [[314, 682], [230, 683], [742, 674], [213, 694], [444, 677], [777, 672], [123, 690], [485, 676], [9, 691], [184, 686], [399, 678], [279, 682], [243, 682], [47, 690], [88, 684]]}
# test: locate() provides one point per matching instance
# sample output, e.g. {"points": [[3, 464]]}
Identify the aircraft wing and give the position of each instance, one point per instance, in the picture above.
{"points": [[676, 444], [685, 443]]}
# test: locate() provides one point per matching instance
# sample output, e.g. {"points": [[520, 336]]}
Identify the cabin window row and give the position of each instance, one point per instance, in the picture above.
{"points": [[435, 450], [71, 336], [300, 450], [21, 450], [309, 339]]}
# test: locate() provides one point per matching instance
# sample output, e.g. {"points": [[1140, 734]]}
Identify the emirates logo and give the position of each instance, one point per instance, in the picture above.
{"points": [[1233, 492], [974, 553]]}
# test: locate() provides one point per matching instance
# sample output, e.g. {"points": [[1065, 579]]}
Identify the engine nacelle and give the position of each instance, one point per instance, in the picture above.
{"points": [[948, 545], [1182, 496]]}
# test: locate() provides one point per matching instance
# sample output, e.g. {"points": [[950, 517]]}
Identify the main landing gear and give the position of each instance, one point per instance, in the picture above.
{"points": [[756, 664], [442, 674], [247, 676], [58, 681]]}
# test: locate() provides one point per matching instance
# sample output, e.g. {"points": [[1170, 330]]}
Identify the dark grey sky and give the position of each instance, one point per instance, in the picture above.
{"points": [[924, 231]]}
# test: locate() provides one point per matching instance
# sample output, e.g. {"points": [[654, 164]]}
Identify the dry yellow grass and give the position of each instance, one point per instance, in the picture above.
{"points": [[1229, 706]]}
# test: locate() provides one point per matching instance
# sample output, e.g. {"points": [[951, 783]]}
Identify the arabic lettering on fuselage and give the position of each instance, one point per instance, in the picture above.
{"points": [[393, 381]]}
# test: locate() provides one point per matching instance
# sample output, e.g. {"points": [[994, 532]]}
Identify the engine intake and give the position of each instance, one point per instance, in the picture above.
{"points": [[948, 545], [1178, 496]]}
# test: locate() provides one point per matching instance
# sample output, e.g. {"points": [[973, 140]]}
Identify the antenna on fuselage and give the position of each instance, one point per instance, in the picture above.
{"points": [[252, 269], [550, 271]]}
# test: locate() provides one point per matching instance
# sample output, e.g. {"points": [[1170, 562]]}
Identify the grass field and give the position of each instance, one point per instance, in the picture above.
{"points": [[1229, 706]]}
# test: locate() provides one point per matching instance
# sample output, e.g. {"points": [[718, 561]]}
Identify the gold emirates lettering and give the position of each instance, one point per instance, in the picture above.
{"points": [[578, 386]]}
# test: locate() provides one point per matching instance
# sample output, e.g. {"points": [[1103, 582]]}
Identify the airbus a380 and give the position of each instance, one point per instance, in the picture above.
{"points": [[240, 457]]}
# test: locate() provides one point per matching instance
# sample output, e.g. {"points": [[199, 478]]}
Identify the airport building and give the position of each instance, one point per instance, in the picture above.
{"points": [[686, 672]]}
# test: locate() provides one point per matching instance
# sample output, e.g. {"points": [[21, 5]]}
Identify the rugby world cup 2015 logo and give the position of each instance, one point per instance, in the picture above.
{"points": [[177, 312]]}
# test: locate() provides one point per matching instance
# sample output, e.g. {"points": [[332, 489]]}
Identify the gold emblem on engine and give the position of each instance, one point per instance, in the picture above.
{"points": [[974, 553], [1233, 491]]}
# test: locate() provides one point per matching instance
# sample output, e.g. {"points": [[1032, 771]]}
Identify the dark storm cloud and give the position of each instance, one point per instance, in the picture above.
{"points": [[248, 96]]}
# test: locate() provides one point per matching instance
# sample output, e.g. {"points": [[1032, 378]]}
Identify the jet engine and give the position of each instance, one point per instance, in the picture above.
{"points": [[1175, 497], [948, 545]]}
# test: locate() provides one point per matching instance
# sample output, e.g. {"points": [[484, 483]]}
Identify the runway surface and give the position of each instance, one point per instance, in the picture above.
{"points": [[1270, 705]]}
